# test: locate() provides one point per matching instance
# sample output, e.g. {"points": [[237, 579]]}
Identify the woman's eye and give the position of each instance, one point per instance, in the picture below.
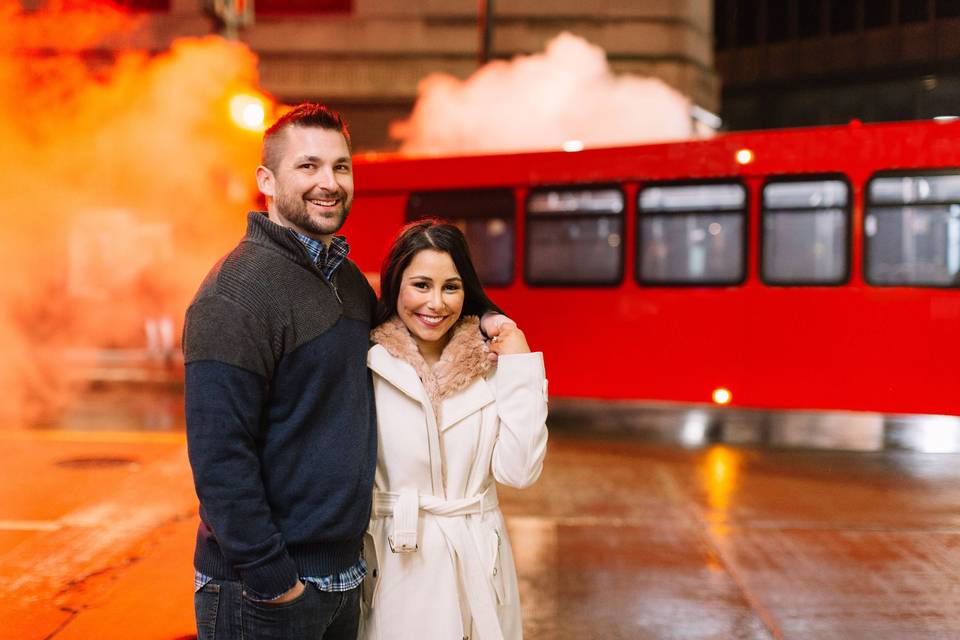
{"points": [[452, 287], [420, 285]]}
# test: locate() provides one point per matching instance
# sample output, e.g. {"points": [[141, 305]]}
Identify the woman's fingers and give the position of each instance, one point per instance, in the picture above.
{"points": [[492, 323], [510, 340]]}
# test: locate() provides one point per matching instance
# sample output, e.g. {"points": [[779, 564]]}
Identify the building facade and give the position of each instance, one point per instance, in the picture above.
{"points": [[366, 57], [811, 62]]}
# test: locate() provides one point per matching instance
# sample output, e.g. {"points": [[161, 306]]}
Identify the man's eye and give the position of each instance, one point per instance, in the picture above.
{"points": [[307, 166]]}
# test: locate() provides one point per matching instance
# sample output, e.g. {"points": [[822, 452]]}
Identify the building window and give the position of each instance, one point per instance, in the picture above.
{"points": [[747, 11], [691, 234], [876, 13], [575, 235], [810, 22], [486, 217], [843, 16], [299, 7], [778, 21], [805, 232], [720, 32], [913, 11], [912, 230], [947, 8]]}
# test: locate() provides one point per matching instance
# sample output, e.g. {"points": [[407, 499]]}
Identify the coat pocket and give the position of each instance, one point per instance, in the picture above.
{"points": [[371, 556], [495, 570]]}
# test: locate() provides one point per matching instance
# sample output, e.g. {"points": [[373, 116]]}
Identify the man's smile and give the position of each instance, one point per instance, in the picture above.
{"points": [[324, 202]]}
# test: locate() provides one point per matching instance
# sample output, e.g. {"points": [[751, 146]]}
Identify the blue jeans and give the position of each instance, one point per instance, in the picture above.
{"points": [[224, 613]]}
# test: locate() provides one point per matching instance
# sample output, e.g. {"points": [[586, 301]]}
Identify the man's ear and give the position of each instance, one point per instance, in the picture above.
{"points": [[266, 182]]}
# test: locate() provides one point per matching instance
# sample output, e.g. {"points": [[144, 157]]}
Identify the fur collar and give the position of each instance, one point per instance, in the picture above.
{"points": [[463, 359]]}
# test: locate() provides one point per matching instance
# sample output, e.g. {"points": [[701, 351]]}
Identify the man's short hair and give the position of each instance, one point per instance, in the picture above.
{"points": [[307, 114]]}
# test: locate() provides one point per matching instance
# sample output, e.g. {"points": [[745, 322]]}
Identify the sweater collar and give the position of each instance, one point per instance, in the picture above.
{"points": [[263, 231]]}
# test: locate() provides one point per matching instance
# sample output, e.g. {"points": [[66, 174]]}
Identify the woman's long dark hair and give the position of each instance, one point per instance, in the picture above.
{"points": [[438, 236]]}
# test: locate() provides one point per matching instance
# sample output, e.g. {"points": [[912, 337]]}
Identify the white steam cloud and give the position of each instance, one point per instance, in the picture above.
{"points": [[541, 101]]}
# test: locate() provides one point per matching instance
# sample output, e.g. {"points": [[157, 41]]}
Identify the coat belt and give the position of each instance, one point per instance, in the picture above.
{"points": [[405, 507], [475, 589]]}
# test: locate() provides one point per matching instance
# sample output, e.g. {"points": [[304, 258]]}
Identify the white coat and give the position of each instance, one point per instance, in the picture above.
{"points": [[439, 561]]}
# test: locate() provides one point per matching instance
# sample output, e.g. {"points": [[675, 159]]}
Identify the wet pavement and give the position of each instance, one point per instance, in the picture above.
{"points": [[630, 533], [634, 540]]}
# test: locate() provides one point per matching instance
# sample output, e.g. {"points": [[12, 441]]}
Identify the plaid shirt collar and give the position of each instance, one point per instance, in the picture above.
{"points": [[327, 259]]}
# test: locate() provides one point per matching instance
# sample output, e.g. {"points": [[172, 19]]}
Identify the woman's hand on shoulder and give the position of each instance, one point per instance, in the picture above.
{"points": [[509, 341]]}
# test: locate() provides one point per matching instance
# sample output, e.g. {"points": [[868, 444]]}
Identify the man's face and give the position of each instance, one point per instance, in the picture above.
{"points": [[311, 189]]}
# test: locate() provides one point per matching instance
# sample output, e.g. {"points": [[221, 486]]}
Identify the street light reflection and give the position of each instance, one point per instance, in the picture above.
{"points": [[536, 549], [720, 472]]}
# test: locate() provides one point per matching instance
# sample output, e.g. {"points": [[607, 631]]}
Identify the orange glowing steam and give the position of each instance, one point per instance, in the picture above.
{"points": [[124, 179]]}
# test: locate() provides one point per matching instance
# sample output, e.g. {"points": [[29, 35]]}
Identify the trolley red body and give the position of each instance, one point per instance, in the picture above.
{"points": [[849, 345]]}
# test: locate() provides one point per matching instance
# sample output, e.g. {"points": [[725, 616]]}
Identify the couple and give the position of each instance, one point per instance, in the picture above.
{"points": [[323, 483]]}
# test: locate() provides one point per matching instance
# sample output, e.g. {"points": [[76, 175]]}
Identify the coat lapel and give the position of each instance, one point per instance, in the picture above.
{"points": [[402, 375], [471, 400], [397, 372]]}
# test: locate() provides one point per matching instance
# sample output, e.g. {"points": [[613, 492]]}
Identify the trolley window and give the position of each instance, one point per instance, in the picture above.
{"points": [[691, 234], [486, 217], [912, 230], [806, 232], [574, 235]]}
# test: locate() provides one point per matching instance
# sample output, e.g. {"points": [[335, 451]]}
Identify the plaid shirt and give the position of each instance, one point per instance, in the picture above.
{"points": [[327, 259], [345, 581]]}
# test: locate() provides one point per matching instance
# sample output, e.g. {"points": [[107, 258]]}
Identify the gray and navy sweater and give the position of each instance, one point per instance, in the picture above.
{"points": [[281, 428]]}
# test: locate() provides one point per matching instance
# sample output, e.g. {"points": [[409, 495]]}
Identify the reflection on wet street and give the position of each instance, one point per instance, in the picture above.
{"points": [[663, 523], [630, 539]]}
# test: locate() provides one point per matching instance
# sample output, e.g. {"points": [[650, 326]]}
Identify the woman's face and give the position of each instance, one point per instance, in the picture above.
{"points": [[431, 297]]}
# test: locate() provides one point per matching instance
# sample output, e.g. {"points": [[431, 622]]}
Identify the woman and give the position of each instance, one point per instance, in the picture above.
{"points": [[451, 423]]}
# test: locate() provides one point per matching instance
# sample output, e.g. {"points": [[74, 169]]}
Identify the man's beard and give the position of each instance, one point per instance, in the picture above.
{"points": [[293, 208]]}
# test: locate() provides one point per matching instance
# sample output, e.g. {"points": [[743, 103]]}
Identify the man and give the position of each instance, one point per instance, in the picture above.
{"points": [[280, 418]]}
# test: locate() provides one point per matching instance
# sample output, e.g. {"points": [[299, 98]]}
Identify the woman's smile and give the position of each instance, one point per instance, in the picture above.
{"points": [[430, 321]]}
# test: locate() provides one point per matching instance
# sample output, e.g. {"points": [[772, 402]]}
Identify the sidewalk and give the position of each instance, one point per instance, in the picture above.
{"points": [[97, 532], [150, 597]]}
